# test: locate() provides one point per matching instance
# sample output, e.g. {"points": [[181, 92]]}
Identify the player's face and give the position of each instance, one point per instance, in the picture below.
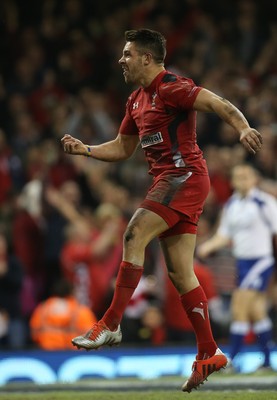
{"points": [[132, 63], [243, 179]]}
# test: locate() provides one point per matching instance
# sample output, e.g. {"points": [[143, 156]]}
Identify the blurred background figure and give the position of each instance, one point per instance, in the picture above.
{"points": [[249, 224], [57, 318], [92, 249], [28, 244], [13, 332]]}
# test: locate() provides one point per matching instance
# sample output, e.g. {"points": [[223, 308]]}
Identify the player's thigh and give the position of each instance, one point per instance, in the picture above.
{"points": [[241, 304], [144, 226], [259, 307], [178, 253]]}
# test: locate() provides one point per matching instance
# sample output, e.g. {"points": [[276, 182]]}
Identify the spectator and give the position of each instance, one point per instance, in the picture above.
{"points": [[92, 250], [28, 244], [55, 320], [13, 332], [45, 98], [91, 258], [5, 169]]}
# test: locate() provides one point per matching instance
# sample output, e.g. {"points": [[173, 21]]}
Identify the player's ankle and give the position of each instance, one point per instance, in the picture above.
{"points": [[110, 321], [206, 350]]}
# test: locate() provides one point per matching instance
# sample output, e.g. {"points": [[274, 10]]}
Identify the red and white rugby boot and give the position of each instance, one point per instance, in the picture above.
{"points": [[99, 335], [201, 369]]}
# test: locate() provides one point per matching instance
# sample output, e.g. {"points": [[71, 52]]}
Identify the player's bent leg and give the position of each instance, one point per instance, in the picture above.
{"points": [[142, 228], [178, 253], [201, 369], [99, 335]]}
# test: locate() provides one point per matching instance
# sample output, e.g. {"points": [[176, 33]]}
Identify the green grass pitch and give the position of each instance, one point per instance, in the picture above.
{"points": [[143, 395]]}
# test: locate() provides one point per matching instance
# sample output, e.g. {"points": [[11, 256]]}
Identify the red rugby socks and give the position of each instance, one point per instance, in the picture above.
{"points": [[126, 282], [196, 306]]}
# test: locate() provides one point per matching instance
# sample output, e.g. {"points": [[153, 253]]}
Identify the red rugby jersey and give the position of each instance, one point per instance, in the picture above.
{"points": [[163, 117]]}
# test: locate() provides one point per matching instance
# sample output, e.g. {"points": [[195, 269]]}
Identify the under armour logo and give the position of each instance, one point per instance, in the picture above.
{"points": [[199, 310], [135, 105]]}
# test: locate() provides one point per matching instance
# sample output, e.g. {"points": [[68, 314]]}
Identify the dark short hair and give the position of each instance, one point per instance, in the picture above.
{"points": [[148, 41]]}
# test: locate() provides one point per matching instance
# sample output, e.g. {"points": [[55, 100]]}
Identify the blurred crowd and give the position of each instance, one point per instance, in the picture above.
{"points": [[62, 217]]}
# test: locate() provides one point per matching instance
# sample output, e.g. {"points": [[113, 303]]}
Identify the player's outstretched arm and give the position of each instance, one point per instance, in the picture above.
{"points": [[121, 148], [215, 243], [209, 102]]}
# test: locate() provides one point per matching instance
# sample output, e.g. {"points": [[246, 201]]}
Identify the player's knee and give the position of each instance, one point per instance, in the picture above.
{"points": [[130, 236], [133, 238], [177, 280]]}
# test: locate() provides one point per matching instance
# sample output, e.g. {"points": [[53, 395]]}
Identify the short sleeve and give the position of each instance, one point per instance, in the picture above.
{"points": [[128, 125], [180, 93], [270, 211], [223, 228]]}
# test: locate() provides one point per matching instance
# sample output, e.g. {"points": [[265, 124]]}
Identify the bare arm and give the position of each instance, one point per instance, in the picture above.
{"points": [[121, 148], [209, 102], [109, 232], [67, 209], [216, 242]]}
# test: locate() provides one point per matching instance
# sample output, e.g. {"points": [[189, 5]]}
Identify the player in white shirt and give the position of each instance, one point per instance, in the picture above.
{"points": [[249, 224]]}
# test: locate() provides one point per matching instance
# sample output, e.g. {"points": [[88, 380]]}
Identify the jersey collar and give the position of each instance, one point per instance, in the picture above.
{"points": [[252, 192], [155, 81]]}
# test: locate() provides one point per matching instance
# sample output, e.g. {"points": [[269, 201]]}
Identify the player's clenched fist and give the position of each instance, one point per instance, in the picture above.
{"points": [[72, 145]]}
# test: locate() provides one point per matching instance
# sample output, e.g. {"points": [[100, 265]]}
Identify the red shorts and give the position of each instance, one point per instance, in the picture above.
{"points": [[179, 200]]}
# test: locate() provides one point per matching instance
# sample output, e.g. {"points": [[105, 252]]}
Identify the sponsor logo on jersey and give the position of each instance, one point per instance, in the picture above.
{"points": [[151, 139]]}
